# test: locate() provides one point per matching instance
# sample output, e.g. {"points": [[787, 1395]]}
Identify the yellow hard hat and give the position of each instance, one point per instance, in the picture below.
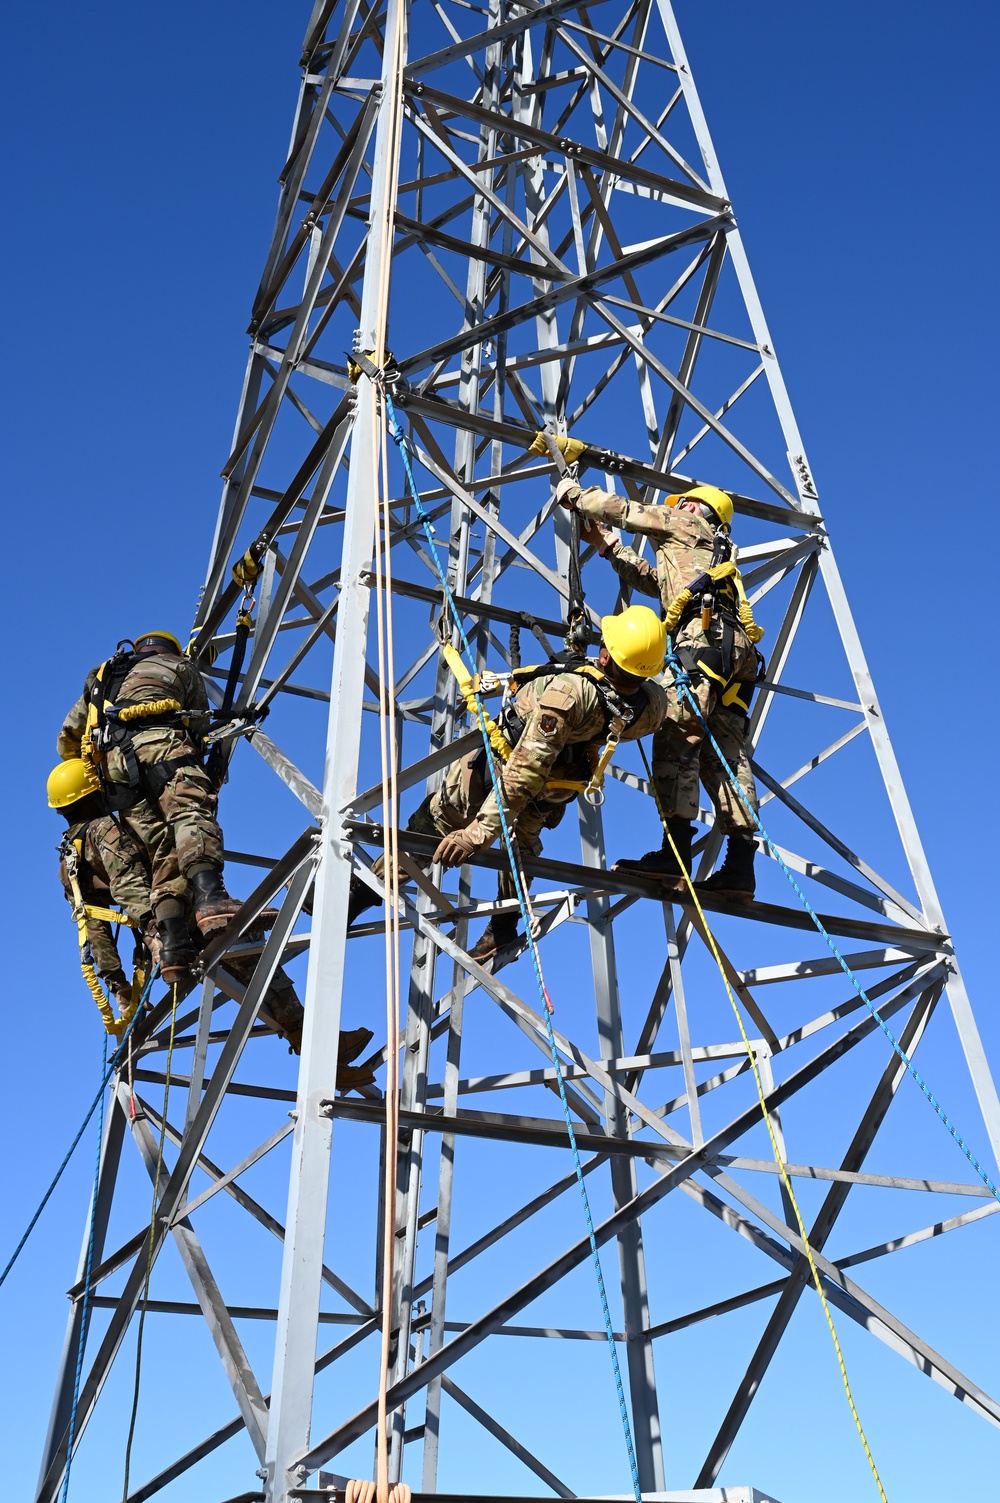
{"points": [[709, 495], [208, 655], [70, 781], [166, 636], [636, 640]]}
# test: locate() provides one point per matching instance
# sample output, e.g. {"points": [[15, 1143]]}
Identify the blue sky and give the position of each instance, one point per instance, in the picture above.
{"points": [[143, 148]]}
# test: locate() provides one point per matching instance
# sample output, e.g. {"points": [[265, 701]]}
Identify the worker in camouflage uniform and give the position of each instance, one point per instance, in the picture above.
{"points": [[113, 865], [141, 719], [714, 635], [110, 868], [555, 719]]}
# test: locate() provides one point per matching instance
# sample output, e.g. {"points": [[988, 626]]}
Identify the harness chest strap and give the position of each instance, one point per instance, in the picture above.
{"points": [[717, 574]]}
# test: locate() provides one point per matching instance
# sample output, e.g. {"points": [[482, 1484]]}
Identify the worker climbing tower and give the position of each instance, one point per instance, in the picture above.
{"points": [[496, 221]]}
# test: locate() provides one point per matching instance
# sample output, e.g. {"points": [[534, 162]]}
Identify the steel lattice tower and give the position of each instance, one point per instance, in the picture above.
{"points": [[563, 255]]}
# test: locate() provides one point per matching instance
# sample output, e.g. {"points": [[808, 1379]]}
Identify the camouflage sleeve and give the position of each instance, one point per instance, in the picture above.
{"points": [[635, 572], [106, 959], [651, 521], [545, 733], [70, 740], [195, 694]]}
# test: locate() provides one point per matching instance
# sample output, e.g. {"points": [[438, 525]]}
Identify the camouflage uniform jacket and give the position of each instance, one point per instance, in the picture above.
{"points": [[156, 675], [560, 712], [683, 543], [112, 868]]}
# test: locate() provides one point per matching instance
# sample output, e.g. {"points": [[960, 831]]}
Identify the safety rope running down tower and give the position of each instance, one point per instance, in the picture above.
{"points": [[683, 682], [779, 1157], [400, 440]]}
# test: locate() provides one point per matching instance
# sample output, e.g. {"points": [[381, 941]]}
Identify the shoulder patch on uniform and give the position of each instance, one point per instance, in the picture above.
{"points": [[553, 698]]}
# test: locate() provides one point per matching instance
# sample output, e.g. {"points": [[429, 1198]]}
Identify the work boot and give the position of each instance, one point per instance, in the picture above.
{"points": [[500, 932], [663, 863], [353, 1077], [177, 953], [361, 898], [151, 939], [735, 878], [213, 907], [256, 930], [287, 1011], [352, 1042]]}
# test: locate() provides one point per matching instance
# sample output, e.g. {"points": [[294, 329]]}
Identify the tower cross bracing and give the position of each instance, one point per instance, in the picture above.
{"points": [[559, 252]]}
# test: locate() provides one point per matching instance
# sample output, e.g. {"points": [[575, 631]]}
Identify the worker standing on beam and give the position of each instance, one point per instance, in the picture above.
{"points": [[547, 750], [140, 720], [110, 863], [714, 637]]}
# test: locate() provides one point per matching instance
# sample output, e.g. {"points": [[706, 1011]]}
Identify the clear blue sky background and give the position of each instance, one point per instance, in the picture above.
{"points": [[858, 142]]}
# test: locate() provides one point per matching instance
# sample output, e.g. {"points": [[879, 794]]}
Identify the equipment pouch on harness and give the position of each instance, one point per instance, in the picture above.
{"points": [[716, 663]]}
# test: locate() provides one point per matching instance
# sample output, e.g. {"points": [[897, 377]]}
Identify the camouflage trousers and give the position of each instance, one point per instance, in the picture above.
{"points": [[460, 798], [119, 850], [281, 998], [683, 755], [183, 832]]}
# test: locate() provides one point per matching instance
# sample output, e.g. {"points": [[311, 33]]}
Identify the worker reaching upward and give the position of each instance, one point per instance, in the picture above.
{"points": [[554, 720], [714, 636], [140, 720]]}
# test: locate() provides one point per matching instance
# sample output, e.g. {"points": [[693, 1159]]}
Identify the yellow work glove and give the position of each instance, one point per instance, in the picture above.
{"points": [[457, 847], [570, 448]]}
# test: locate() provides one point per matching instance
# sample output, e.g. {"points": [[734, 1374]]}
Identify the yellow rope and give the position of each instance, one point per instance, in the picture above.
{"points": [[778, 1157], [728, 570], [80, 912], [467, 688], [153, 707], [108, 915]]}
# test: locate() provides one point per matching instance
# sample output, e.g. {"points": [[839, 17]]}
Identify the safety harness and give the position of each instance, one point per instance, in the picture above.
{"points": [[719, 591], [619, 713], [112, 722], [71, 851]]}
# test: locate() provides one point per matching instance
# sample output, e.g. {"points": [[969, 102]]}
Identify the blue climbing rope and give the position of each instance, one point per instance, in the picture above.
{"points": [[106, 1075], [682, 682], [85, 1312], [399, 438]]}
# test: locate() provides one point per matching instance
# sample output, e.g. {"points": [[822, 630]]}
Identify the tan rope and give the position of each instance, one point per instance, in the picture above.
{"points": [[363, 1491]]}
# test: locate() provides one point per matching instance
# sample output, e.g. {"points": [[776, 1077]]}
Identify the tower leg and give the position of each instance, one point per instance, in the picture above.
{"points": [[111, 1148], [632, 1263]]}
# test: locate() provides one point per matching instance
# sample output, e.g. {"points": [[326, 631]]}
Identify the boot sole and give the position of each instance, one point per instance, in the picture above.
{"points": [[741, 896], [175, 975], [213, 923]]}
